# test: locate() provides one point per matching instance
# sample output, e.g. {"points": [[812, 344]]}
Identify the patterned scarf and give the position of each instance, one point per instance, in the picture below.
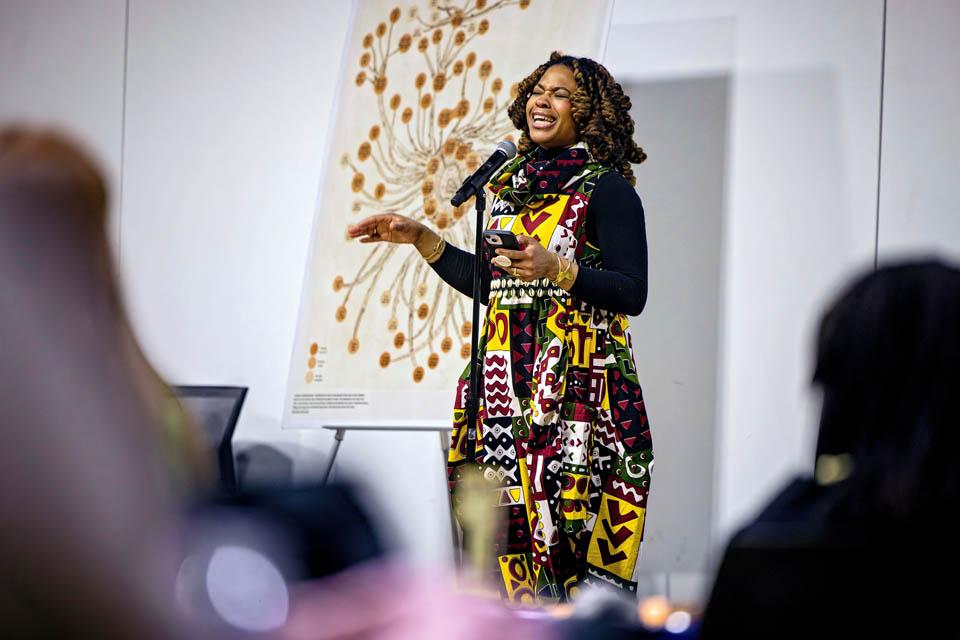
{"points": [[536, 178]]}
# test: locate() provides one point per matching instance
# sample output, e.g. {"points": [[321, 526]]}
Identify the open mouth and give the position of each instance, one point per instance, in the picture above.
{"points": [[542, 121]]}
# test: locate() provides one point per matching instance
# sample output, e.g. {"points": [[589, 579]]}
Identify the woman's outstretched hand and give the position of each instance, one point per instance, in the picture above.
{"points": [[392, 227], [387, 227]]}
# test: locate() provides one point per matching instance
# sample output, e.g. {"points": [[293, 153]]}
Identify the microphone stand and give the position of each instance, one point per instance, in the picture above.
{"points": [[476, 183], [476, 367]]}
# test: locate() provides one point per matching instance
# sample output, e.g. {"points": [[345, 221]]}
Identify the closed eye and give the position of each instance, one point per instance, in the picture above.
{"points": [[563, 94]]}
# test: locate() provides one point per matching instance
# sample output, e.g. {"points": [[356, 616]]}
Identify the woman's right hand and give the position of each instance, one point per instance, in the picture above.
{"points": [[392, 227], [387, 227]]}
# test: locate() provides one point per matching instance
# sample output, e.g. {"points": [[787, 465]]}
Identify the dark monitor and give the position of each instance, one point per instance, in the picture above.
{"points": [[216, 410]]}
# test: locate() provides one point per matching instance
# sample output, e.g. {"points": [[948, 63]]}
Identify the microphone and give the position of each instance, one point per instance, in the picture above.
{"points": [[504, 151]]}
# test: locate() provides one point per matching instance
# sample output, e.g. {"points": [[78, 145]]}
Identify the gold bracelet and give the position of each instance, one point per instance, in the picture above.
{"points": [[559, 269], [564, 273], [437, 251]]}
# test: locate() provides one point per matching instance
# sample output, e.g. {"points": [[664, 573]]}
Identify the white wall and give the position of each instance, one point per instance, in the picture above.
{"points": [[61, 63], [919, 195], [682, 125], [227, 107], [799, 211]]}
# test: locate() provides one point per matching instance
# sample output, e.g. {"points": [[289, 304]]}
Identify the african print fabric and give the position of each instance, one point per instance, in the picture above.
{"points": [[562, 429]]}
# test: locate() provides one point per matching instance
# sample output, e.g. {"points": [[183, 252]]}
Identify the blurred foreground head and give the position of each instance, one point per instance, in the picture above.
{"points": [[85, 500], [88, 506], [841, 557], [888, 363]]}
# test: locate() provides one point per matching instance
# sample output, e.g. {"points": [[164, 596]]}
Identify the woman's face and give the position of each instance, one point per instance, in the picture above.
{"points": [[549, 116]]}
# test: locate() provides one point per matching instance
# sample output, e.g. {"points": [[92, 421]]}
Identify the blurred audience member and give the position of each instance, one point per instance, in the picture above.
{"points": [[86, 499], [867, 543], [100, 466]]}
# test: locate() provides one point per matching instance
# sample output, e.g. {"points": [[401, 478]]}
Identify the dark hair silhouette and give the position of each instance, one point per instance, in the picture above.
{"points": [[888, 363]]}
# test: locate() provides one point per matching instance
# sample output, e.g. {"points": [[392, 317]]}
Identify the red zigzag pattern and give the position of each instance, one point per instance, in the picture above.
{"points": [[496, 385]]}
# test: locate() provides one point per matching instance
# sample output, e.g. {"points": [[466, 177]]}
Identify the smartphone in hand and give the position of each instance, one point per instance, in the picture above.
{"points": [[501, 239]]}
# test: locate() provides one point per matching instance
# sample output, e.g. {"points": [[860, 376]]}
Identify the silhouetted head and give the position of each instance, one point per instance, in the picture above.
{"points": [[888, 363]]}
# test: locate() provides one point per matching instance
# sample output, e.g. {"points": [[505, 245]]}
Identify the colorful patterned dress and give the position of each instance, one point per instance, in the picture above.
{"points": [[562, 430]]}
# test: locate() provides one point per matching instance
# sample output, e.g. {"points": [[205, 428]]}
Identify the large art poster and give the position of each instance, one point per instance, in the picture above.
{"points": [[422, 102]]}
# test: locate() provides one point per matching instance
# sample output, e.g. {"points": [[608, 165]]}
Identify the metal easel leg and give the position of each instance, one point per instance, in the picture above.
{"points": [[337, 439]]}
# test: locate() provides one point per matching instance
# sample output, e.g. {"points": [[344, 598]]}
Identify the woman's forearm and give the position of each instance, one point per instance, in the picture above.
{"points": [[455, 267], [610, 290]]}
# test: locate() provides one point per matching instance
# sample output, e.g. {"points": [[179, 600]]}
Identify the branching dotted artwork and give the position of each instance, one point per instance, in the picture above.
{"points": [[427, 138]]}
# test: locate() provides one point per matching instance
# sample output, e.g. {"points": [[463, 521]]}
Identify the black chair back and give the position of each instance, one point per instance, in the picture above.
{"points": [[216, 410]]}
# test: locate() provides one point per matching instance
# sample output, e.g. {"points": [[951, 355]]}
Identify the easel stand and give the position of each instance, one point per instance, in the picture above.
{"points": [[442, 429]]}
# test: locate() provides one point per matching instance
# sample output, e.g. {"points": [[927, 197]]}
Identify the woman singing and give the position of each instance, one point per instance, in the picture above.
{"points": [[562, 428]]}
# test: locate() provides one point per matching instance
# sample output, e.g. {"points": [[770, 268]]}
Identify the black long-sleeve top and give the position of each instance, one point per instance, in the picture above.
{"points": [[615, 224]]}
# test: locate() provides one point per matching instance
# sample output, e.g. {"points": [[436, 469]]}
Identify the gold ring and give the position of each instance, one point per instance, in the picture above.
{"points": [[515, 273]]}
